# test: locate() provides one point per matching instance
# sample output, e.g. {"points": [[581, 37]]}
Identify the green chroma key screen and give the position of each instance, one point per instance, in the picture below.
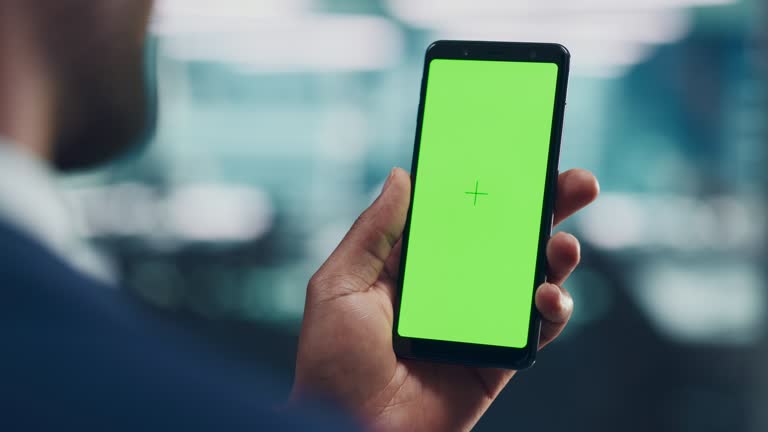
{"points": [[475, 221]]}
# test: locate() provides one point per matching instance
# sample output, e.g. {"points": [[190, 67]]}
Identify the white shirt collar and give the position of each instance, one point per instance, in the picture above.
{"points": [[31, 200]]}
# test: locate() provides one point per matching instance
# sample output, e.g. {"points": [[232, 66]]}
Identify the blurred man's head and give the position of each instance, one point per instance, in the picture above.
{"points": [[91, 56]]}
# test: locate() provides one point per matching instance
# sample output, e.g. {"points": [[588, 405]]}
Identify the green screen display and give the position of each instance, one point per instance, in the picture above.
{"points": [[475, 221]]}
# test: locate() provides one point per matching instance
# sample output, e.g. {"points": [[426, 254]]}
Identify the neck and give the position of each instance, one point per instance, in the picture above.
{"points": [[26, 97]]}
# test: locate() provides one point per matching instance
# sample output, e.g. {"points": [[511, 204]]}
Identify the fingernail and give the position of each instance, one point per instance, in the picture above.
{"points": [[566, 302], [389, 180]]}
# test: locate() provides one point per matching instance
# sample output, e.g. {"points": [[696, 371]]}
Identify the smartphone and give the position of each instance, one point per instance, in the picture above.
{"points": [[485, 167]]}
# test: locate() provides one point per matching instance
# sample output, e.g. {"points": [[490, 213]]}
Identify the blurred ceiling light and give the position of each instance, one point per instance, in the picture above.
{"points": [[718, 302], [425, 13], [589, 55], [193, 213], [218, 213], [598, 42], [641, 27], [169, 9], [630, 28], [616, 222], [313, 42], [636, 221], [123, 210]]}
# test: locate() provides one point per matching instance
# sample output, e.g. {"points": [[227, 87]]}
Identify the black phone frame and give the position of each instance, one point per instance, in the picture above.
{"points": [[475, 354]]}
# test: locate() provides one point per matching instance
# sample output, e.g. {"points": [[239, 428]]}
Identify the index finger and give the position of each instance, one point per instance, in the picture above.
{"points": [[576, 188]]}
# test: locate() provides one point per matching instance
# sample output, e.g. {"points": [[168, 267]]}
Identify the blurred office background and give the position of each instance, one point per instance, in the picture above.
{"points": [[279, 120]]}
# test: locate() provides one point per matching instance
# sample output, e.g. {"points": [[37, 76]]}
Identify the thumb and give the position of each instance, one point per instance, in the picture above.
{"points": [[359, 259]]}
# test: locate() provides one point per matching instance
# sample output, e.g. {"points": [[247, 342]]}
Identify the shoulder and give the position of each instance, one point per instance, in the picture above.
{"points": [[78, 353], [39, 287], [24, 260]]}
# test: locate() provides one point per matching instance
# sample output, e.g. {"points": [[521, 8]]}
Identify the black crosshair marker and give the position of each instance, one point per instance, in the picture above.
{"points": [[476, 192]]}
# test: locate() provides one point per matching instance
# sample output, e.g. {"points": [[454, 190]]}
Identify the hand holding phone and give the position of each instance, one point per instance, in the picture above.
{"points": [[346, 346]]}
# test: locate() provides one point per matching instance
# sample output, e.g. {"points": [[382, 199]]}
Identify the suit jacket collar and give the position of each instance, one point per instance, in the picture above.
{"points": [[32, 201]]}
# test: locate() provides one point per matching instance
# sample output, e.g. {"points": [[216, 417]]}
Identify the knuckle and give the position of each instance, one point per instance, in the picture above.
{"points": [[314, 281]]}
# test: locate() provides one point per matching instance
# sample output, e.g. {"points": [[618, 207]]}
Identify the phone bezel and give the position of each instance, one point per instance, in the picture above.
{"points": [[475, 354]]}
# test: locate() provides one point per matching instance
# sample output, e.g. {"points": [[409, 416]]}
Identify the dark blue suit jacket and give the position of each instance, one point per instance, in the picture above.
{"points": [[76, 355]]}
